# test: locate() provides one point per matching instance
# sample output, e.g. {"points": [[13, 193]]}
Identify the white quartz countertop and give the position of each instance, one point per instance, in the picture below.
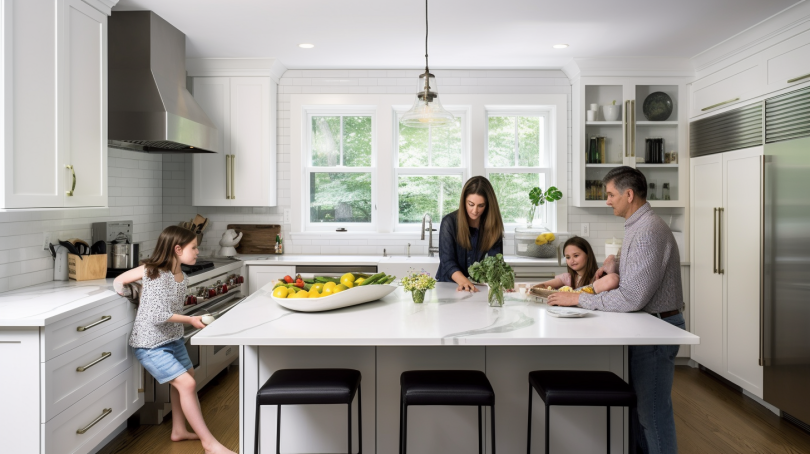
{"points": [[46, 303], [295, 259], [447, 317]]}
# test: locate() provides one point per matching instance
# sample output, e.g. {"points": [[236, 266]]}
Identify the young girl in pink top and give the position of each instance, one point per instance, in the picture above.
{"points": [[581, 269]]}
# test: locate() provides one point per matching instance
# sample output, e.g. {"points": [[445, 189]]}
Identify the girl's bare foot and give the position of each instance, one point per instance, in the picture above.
{"points": [[185, 435], [218, 449]]}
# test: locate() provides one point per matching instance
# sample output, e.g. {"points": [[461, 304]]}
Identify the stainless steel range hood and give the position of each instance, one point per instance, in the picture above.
{"points": [[150, 109]]}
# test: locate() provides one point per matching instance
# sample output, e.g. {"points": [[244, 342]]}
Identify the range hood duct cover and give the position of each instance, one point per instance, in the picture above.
{"points": [[150, 109]]}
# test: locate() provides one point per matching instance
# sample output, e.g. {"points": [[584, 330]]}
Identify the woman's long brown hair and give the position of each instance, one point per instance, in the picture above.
{"points": [[590, 265], [491, 225], [163, 256]]}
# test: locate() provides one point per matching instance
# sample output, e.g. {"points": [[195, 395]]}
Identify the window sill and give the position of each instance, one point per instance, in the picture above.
{"points": [[359, 235]]}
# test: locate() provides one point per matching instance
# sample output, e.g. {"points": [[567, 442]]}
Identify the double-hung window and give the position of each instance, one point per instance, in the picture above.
{"points": [[518, 158], [340, 169], [430, 168]]}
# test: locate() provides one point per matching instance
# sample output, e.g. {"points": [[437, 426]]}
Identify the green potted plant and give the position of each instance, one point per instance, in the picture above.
{"points": [[494, 272], [418, 284], [537, 197]]}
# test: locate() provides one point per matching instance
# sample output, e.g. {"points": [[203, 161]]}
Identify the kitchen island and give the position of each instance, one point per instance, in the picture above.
{"points": [[450, 330]]}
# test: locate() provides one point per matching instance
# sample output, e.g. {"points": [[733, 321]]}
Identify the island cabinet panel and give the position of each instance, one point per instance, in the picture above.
{"points": [[315, 428], [19, 351], [259, 276]]}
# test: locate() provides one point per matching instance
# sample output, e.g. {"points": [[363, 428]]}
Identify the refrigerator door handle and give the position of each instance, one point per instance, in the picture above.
{"points": [[714, 241], [762, 263], [720, 241]]}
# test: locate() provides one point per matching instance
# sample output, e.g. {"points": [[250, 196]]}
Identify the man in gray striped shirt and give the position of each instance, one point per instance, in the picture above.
{"points": [[650, 281]]}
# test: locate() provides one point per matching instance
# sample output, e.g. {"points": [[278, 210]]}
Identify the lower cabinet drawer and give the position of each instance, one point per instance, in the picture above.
{"points": [[69, 377], [86, 423], [80, 328]]}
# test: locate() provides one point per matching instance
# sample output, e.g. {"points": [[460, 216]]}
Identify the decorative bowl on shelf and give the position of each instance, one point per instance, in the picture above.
{"points": [[611, 112], [657, 106]]}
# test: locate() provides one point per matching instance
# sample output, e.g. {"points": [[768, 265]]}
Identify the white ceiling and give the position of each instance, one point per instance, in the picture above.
{"points": [[382, 34]]}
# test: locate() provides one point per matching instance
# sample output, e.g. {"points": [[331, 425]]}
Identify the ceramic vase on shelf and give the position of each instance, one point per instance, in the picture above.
{"points": [[610, 112], [495, 296], [418, 296]]}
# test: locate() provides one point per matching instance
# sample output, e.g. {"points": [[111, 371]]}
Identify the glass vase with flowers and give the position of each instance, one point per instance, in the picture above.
{"points": [[418, 284]]}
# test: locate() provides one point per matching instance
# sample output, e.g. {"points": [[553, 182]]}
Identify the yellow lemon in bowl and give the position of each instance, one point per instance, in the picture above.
{"points": [[328, 291], [280, 292], [318, 286], [340, 288], [347, 280], [329, 285]]}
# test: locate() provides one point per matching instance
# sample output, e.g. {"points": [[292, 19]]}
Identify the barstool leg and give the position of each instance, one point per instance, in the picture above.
{"points": [[548, 433], [401, 420], [480, 430], [404, 429], [529, 430], [278, 430], [350, 428], [492, 415], [359, 422], [608, 430], [256, 434]]}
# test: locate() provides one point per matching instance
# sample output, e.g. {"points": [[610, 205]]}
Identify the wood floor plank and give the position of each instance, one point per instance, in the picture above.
{"points": [[710, 417]]}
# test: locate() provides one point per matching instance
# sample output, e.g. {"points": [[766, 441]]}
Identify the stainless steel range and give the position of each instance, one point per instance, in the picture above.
{"points": [[215, 286]]}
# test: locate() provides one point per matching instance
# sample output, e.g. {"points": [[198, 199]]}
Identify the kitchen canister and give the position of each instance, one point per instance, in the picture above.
{"points": [[60, 263], [613, 246]]}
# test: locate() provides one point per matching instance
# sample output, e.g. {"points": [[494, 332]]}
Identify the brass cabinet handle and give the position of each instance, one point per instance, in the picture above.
{"points": [[227, 176], [714, 241], [72, 188], [720, 241], [718, 104], [624, 127], [104, 355], [103, 415], [104, 318], [233, 176], [796, 79], [633, 128]]}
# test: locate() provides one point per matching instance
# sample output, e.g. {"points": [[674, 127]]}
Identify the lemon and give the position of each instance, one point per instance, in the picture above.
{"points": [[313, 293], [359, 281], [280, 292], [347, 277], [329, 285], [340, 288], [301, 295], [291, 291], [318, 286], [328, 291]]}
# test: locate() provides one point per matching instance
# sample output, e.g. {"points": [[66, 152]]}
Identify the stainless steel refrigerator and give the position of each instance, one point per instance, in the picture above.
{"points": [[785, 336]]}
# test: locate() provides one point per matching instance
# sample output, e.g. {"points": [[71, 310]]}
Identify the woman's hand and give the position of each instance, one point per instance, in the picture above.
{"points": [[196, 322], [466, 286]]}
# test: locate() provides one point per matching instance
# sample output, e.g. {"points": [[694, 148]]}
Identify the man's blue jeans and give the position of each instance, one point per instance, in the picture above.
{"points": [[652, 368]]}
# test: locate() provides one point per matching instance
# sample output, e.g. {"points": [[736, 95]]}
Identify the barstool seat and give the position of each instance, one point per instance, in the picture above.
{"points": [[310, 387], [445, 387], [578, 388]]}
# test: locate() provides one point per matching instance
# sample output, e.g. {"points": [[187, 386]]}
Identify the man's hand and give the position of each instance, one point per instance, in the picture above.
{"points": [[563, 299]]}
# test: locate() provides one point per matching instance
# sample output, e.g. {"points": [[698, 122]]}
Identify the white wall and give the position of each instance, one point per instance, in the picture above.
{"points": [[177, 169], [135, 184]]}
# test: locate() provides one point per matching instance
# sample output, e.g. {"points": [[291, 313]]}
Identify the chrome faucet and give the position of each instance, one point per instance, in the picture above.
{"points": [[430, 230]]}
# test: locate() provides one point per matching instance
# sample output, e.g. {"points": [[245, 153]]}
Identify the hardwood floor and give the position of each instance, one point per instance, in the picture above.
{"points": [[710, 417]]}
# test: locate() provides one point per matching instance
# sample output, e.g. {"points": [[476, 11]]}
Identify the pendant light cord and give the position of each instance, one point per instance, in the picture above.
{"points": [[426, 35]]}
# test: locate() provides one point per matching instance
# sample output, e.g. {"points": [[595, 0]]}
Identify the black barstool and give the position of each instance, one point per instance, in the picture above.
{"points": [[445, 387], [579, 388], [310, 387]]}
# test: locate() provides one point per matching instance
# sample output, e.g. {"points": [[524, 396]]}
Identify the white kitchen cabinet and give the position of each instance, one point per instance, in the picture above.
{"points": [[726, 216], [730, 86], [624, 139], [787, 63], [260, 275], [54, 90], [243, 173]]}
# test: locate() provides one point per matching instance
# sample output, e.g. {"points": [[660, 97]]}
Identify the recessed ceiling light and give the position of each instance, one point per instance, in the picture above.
{"points": [[560, 46], [306, 46]]}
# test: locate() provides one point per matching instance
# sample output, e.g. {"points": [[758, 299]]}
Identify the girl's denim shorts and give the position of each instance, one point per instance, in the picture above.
{"points": [[165, 362]]}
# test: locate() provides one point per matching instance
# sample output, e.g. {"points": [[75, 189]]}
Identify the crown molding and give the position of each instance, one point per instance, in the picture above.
{"points": [[770, 31], [628, 66], [235, 67], [105, 6]]}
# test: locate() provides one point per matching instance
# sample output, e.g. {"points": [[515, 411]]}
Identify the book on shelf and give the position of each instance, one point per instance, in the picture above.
{"points": [[600, 146], [596, 152]]}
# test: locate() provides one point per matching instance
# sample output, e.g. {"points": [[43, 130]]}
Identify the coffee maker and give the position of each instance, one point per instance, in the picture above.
{"points": [[122, 253]]}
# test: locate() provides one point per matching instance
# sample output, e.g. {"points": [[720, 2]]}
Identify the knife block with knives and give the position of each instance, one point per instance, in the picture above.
{"points": [[84, 266]]}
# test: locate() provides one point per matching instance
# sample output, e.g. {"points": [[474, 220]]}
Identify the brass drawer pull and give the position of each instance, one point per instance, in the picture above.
{"points": [[103, 415], [104, 318], [719, 104], [104, 355], [233, 176], [72, 188], [796, 79]]}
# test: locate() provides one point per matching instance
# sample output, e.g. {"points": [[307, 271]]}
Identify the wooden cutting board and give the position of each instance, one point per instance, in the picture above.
{"points": [[257, 238]]}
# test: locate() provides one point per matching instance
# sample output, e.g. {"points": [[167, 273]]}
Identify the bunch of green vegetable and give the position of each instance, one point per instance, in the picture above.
{"points": [[494, 272]]}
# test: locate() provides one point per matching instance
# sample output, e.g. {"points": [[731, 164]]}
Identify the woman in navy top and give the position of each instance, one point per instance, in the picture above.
{"points": [[469, 234]]}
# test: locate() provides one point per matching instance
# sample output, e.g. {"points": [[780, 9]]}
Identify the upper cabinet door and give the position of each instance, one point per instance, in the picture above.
{"points": [[252, 141], [82, 78], [210, 177], [34, 171]]}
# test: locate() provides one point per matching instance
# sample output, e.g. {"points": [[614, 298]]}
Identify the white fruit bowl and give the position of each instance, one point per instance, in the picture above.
{"points": [[346, 298]]}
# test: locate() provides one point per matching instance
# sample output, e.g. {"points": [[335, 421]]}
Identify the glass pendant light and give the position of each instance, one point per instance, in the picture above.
{"points": [[427, 110]]}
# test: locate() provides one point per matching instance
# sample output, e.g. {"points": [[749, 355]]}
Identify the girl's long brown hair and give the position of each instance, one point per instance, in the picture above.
{"points": [[590, 265], [491, 225], [163, 256]]}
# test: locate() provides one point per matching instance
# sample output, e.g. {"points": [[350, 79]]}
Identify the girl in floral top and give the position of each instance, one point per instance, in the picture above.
{"points": [[582, 268], [157, 335]]}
